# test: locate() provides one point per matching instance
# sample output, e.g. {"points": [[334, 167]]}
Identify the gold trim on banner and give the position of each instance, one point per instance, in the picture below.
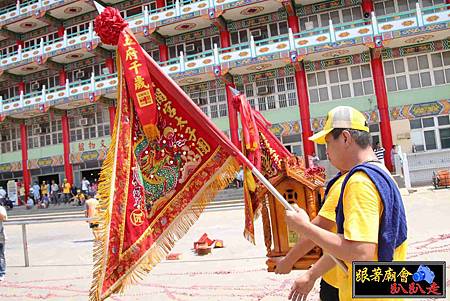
{"points": [[179, 226], [105, 187], [162, 246]]}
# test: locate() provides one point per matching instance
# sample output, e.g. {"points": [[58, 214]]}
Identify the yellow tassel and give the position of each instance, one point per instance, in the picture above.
{"points": [[151, 131], [162, 246], [249, 179]]}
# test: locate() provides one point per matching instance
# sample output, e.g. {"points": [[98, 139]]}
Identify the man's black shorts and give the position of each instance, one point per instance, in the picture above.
{"points": [[328, 292]]}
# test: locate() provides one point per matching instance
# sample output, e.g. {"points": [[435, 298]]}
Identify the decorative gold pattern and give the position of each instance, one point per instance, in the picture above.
{"points": [[363, 31], [387, 26], [419, 39], [336, 53], [321, 38], [259, 67], [408, 23]]}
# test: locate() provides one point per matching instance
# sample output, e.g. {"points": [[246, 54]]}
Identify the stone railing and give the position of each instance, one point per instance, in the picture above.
{"points": [[25, 9]]}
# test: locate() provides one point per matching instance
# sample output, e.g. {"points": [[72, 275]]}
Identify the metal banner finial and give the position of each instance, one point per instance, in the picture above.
{"points": [[99, 7]]}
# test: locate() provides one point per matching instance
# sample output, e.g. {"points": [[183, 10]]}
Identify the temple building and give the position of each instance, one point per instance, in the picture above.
{"points": [[294, 60]]}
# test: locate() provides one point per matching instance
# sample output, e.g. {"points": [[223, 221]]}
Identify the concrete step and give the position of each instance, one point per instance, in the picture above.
{"points": [[225, 199], [225, 205], [230, 194]]}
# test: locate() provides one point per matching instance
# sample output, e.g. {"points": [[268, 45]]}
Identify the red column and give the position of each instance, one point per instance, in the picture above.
{"points": [[293, 24], [66, 144], [160, 3], [19, 43], [383, 107], [61, 30], [303, 101], [225, 39], [112, 116], [163, 52], [62, 77], [25, 171], [110, 65], [367, 8], [22, 87], [232, 117]]}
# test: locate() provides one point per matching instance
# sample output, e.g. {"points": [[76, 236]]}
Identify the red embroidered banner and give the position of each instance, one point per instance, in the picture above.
{"points": [[264, 150], [152, 190], [139, 82]]}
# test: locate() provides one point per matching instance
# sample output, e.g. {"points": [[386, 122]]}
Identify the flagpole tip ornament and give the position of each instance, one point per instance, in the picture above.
{"points": [[108, 25]]}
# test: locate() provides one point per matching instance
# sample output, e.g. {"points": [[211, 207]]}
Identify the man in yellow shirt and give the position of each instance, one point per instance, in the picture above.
{"points": [[370, 216], [326, 219], [66, 191], [44, 188], [91, 212]]}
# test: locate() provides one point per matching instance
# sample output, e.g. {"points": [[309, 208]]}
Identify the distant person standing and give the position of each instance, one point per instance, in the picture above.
{"points": [[91, 212], [36, 193], [44, 188], [379, 151], [315, 160], [54, 188], [66, 191], [22, 194], [393, 153], [3, 217], [85, 186], [240, 178]]}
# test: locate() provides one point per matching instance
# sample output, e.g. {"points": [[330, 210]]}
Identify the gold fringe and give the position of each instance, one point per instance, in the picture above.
{"points": [[220, 180], [151, 131], [248, 235], [161, 248], [249, 179], [103, 191]]}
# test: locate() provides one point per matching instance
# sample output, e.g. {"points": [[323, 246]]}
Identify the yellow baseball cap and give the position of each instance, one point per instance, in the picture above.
{"points": [[341, 117]]}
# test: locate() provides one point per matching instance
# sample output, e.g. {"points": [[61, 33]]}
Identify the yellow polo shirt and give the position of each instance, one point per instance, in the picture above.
{"points": [[328, 211], [66, 187], [362, 210]]}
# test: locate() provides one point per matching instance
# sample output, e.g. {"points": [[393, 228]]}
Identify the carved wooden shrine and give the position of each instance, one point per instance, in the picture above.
{"points": [[298, 186]]}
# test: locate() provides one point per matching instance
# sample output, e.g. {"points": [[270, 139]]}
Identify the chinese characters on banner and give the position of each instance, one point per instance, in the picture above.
{"points": [[402, 279]]}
